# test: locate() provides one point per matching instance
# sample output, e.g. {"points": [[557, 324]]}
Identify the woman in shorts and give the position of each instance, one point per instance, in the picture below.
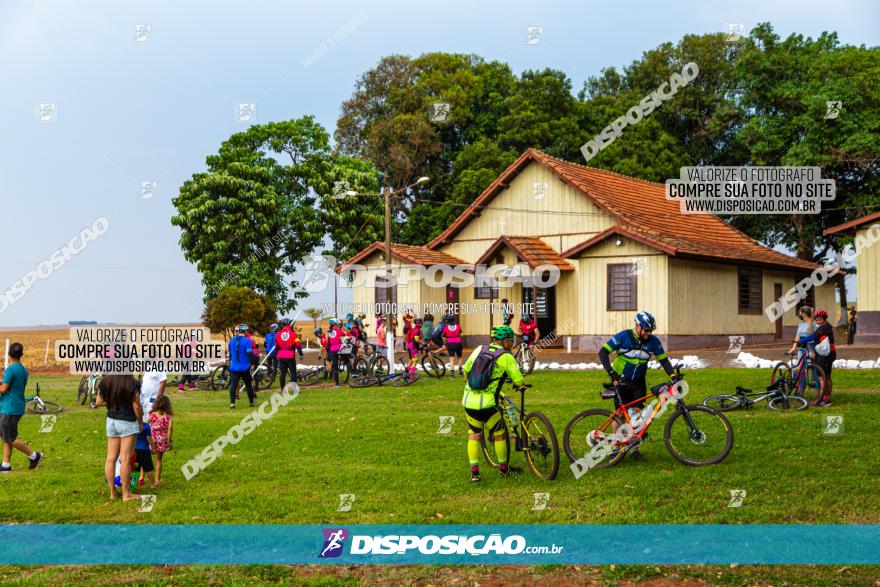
{"points": [[454, 346], [121, 395]]}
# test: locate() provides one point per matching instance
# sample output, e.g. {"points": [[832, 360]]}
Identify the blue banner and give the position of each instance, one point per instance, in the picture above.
{"points": [[440, 544]]}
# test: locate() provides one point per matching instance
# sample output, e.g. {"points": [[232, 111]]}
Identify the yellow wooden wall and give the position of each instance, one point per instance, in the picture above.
{"points": [[868, 276], [563, 218], [583, 296], [703, 299]]}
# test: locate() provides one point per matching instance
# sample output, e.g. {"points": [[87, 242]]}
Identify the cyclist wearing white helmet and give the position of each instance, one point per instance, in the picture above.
{"points": [[634, 348]]}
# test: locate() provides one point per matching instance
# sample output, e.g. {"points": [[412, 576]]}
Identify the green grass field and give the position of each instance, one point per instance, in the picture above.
{"points": [[382, 445]]}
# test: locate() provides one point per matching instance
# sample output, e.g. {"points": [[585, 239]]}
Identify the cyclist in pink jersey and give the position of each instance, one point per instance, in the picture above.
{"points": [[452, 336], [334, 344]]}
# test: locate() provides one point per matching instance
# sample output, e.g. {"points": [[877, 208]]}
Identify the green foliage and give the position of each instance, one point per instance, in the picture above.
{"points": [[386, 121], [253, 215], [235, 305], [314, 314], [786, 84]]}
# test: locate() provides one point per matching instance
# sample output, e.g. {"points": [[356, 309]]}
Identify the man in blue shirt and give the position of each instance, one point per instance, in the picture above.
{"points": [[12, 409], [634, 348], [240, 349], [271, 351]]}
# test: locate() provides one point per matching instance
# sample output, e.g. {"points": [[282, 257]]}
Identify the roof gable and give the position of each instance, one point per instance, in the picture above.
{"points": [[529, 249], [641, 209]]}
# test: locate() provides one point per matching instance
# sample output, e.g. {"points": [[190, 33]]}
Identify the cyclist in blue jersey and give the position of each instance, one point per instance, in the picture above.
{"points": [[240, 349], [634, 348]]}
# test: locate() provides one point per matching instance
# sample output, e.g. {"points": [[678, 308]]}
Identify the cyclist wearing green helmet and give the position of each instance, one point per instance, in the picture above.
{"points": [[492, 365]]}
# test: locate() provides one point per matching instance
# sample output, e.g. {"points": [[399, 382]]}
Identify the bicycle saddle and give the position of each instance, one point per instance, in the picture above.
{"points": [[743, 389]]}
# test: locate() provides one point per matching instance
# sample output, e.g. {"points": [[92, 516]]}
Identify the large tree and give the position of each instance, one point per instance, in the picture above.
{"points": [[493, 116], [253, 215]]}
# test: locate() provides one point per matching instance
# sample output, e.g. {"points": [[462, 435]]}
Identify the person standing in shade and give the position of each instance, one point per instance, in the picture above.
{"points": [[452, 336], [240, 352], [12, 409]]}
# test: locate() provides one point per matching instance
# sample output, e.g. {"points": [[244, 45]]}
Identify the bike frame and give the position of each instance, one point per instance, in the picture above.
{"points": [[758, 395], [663, 398], [800, 366], [519, 445]]}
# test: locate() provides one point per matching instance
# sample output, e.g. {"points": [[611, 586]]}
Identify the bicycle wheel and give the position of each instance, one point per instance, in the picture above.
{"points": [[364, 381], [526, 360], [361, 367], [707, 438], [204, 383], [723, 402], [310, 377], [813, 383], [591, 428], [44, 407], [780, 371], [433, 366], [380, 367], [344, 371], [262, 379], [220, 378], [489, 446], [543, 447], [787, 403], [404, 379], [82, 392]]}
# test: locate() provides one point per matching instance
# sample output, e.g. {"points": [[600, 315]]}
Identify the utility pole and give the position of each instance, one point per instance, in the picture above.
{"points": [[389, 331], [387, 193]]}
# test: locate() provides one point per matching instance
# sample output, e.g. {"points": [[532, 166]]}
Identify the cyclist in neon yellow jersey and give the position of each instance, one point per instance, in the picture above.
{"points": [[492, 365]]}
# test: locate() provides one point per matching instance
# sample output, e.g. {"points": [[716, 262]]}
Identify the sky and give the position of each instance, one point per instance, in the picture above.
{"points": [[134, 107]]}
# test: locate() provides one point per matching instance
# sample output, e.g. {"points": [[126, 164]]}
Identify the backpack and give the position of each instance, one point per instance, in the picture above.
{"points": [[437, 334], [480, 376]]}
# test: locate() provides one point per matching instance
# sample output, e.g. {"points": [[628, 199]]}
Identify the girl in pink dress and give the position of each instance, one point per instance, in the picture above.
{"points": [[160, 427]]}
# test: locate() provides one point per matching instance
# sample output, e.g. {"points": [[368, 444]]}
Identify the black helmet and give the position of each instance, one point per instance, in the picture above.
{"points": [[318, 331], [285, 322]]}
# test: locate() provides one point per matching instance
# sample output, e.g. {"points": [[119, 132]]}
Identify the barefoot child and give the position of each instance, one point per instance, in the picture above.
{"points": [[160, 425], [143, 459]]}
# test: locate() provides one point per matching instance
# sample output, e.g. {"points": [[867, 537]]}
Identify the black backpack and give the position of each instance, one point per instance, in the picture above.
{"points": [[480, 375]]}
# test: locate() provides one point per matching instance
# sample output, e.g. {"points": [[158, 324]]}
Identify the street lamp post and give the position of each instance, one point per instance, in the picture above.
{"points": [[387, 193]]}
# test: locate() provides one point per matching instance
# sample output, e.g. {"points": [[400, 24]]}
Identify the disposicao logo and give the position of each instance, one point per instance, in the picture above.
{"points": [[334, 540]]}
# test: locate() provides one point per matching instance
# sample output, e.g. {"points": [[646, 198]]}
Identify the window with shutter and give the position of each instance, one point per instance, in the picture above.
{"points": [[750, 292], [622, 287]]}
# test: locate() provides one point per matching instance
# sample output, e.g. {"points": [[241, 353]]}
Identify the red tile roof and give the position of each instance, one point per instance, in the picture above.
{"points": [[643, 212], [530, 249], [852, 224], [408, 253]]}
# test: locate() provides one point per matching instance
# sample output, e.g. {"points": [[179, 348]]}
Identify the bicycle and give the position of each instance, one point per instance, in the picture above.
{"points": [[398, 379], [777, 400], [322, 373], [36, 404], [533, 434], [371, 363], [525, 355], [803, 379], [433, 362], [701, 425], [88, 389]]}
